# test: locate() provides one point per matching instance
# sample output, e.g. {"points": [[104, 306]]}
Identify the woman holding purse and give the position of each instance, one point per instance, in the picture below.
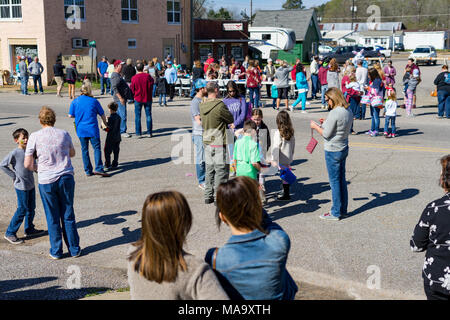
{"points": [[374, 100], [335, 131]]}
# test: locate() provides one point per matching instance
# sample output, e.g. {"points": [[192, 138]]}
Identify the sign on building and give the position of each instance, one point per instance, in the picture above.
{"points": [[233, 26]]}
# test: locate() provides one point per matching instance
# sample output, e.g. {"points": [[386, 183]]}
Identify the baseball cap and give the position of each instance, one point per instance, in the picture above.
{"points": [[169, 62], [117, 62], [269, 60], [210, 54], [200, 83], [22, 57]]}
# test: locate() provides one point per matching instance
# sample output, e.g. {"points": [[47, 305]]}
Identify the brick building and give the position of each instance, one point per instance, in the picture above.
{"points": [[122, 29]]}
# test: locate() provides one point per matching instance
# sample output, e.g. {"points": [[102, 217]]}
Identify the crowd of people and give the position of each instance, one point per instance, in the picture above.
{"points": [[234, 152]]}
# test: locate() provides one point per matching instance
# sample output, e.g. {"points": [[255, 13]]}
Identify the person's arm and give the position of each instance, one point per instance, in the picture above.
{"points": [[41, 67], [4, 165], [421, 236], [72, 152], [198, 120], [29, 161], [226, 115]]}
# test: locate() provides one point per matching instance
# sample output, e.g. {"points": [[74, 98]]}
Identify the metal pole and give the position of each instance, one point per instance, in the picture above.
{"points": [[251, 11], [353, 13]]}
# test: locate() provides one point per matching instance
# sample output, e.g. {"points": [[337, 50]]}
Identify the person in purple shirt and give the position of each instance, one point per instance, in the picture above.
{"points": [[85, 110], [236, 104]]}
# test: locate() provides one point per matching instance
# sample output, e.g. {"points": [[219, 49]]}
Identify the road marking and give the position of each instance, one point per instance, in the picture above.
{"points": [[399, 147]]}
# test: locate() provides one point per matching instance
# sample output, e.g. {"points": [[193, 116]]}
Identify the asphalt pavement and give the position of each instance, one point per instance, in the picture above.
{"points": [[366, 256]]}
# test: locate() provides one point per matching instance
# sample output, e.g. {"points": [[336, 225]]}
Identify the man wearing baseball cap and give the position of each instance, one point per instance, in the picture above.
{"points": [[122, 93], [197, 131]]}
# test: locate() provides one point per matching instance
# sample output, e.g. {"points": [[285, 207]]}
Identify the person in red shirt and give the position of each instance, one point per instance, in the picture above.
{"points": [[253, 83], [293, 72], [208, 62], [323, 70], [238, 73], [142, 87]]}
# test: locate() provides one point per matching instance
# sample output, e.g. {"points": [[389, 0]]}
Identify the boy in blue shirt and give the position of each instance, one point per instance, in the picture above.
{"points": [[24, 185]]}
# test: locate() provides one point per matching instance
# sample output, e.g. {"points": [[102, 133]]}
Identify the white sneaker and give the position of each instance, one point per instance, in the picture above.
{"points": [[202, 186], [126, 135], [304, 111], [291, 108]]}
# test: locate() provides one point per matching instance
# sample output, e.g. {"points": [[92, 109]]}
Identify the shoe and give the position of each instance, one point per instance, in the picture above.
{"points": [[35, 93], [160, 105], [438, 117], [284, 196], [393, 135], [53, 257], [165, 104], [304, 111], [369, 132], [148, 135], [107, 168], [139, 136], [41, 93], [329, 216], [89, 174], [77, 255], [209, 201], [374, 134], [34, 232], [126, 135], [201, 186], [354, 133], [386, 134], [13, 239], [103, 174], [291, 108]]}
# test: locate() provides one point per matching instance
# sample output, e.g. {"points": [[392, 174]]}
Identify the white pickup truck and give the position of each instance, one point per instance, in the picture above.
{"points": [[385, 53]]}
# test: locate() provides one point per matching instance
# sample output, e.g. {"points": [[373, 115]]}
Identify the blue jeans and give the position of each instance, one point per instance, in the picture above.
{"points": [[193, 91], [57, 200], [154, 90], [26, 203], [444, 103], [254, 96], [148, 116], [302, 98], [162, 96], [24, 84], [37, 79], [97, 154], [199, 158], [375, 114], [314, 85], [324, 89], [390, 119], [336, 172], [122, 112], [104, 82]]}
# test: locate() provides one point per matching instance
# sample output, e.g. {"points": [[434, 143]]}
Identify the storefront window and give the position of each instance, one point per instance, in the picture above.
{"points": [[204, 49], [237, 52]]}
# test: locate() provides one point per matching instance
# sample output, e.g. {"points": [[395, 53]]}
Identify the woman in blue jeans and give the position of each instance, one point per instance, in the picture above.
{"points": [[85, 110], [53, 149], [252, 264], [375, 89], [335, 131]]}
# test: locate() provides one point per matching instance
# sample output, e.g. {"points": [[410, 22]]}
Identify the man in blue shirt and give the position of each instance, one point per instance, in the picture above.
{"points": [[171, 77], [102, 68]]}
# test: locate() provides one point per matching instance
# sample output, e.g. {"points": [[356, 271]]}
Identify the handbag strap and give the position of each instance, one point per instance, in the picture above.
{"points": [[214, 258]]}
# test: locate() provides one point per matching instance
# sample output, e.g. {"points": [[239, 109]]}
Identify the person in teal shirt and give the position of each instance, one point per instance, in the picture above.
{"points": [[302, 86], [246, 153]]}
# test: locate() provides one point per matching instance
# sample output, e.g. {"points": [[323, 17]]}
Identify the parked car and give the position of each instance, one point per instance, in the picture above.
{"points": [[424, 54], [386, 53], [399, 47], [325, 49], [343, 53]]}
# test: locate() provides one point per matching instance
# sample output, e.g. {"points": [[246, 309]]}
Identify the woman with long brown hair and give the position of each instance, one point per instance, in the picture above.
{"points": [[335, 131], [158, 267], [252, 264], [432, 234], [283, 148], [333, 74]]}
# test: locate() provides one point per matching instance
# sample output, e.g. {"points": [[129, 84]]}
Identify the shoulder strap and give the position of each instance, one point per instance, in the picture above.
{"points": [[214, 258]]}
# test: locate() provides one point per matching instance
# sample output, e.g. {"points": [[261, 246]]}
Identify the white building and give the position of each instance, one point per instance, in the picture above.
{"points": [[438, 39], [386, 39]]}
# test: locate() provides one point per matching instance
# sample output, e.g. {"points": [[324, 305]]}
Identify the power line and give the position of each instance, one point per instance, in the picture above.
{"points": [[385, 17]]}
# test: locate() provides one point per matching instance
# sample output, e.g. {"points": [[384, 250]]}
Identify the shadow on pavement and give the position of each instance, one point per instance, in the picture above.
{"points": [[126, 166], [168, 131], [408, 132], [7, 124], [384, 199], [127, 237], [109, 219]]}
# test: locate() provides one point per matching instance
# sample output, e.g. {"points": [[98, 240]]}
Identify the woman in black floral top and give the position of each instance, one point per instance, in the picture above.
{"points": [[432, 234]]}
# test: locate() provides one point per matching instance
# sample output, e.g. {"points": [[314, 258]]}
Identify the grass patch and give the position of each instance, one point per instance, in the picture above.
{"points": [[100, 291]]}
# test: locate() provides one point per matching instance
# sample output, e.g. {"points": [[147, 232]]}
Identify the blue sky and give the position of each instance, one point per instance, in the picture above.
{"points": [[258, 4]]}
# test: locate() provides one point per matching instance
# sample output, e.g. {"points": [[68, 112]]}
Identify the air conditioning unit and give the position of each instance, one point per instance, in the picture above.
{"points": [[78, 43]]}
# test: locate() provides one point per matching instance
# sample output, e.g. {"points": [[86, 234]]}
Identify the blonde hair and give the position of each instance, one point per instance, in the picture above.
{"points": [[337, 97], [391, 95], [129, 61], [86, 88]]}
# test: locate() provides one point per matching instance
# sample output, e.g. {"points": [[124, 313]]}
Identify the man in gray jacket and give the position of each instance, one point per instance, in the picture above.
{"points": [[36, 70], [24, 75]]}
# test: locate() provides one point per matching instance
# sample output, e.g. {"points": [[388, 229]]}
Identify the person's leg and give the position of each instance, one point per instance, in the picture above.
{"points": [[386, 124], [35, 83], [393, 129], [199, 158], [376, 114], [251, 93], [66, 188], [332, 160], [85, 155], [116, 151], [96, 144], [122, 112], [257, 95], [222, 168], [302, 96], [107, 152], [278, 101], [137, 117], [210, 172], [52, 209], [102, 85], [343, 182], [19, 215], [372, 125], [409, 101], [315, 86], [434, 295], [269, 91], [31, 210], [160, 99], [296, 102], [441, 95], [148, 118], [164, 95], [323, 90], [41, 89]]}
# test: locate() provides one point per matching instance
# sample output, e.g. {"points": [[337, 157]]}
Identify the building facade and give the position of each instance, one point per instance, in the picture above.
{"points": [[137, 29]]}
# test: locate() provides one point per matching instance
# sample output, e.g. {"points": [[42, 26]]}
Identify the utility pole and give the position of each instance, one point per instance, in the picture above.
{"points": [[251, 11], [353, 13]]}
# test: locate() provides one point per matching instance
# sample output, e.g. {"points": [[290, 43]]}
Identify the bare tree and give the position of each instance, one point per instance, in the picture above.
{"points": [[199, 8]]}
